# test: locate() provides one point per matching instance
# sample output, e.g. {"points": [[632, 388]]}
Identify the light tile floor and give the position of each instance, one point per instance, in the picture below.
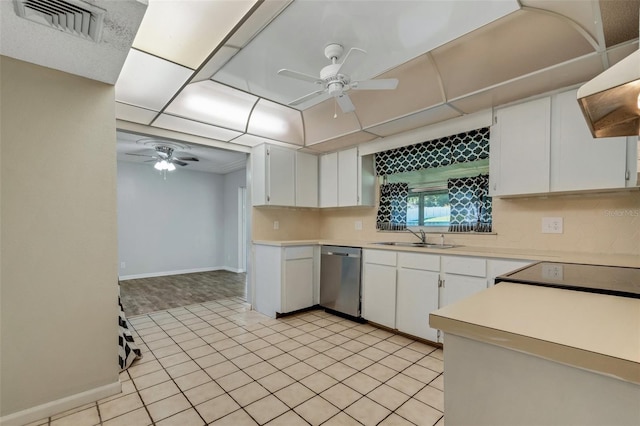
{"points": [[220, 363]]}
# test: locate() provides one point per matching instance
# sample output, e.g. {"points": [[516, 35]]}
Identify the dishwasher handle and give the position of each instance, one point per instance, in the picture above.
{"points": [[332, 253]]}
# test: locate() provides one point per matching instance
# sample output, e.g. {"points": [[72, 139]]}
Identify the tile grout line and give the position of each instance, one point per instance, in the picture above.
{"points": [[242, 324]]}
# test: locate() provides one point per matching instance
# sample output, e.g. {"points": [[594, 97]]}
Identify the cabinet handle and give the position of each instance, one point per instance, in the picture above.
{"points": [[268, 198]]}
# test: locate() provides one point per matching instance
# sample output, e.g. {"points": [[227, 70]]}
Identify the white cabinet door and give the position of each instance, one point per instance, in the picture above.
{"points": [[329, 180], [520, 144], [458, 287], [298, 284], [417, 297], [267, 279], [281, 176], [379, 294], [348, 182], [579, 161], [306, 180]]}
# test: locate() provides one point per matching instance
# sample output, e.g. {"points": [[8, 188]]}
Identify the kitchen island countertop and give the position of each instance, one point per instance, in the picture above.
{"points": [[595, 332]]}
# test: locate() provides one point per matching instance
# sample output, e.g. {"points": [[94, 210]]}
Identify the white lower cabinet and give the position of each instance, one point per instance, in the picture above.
{"points": [[461, 277], [458, 287], [380, 294], [417, 297], [297, 284], [285, 278], [379, 287]]}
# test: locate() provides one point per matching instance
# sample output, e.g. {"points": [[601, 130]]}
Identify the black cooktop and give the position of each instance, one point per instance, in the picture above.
{"points": [[613, 280]]}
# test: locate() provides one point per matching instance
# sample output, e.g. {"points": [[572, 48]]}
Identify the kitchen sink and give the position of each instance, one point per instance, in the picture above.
{"points": [[424, 245]]}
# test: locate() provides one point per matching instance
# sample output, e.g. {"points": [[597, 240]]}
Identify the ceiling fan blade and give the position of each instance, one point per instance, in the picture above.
{"points": [[382, 84], [353, 57], [140, 155], [299, 76], [311, 95], [178, 162], [345, 103], [187, 159]]}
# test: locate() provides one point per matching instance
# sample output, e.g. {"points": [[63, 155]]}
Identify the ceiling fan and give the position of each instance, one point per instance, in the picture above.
{"points": [[335, 79], [164, 158]]}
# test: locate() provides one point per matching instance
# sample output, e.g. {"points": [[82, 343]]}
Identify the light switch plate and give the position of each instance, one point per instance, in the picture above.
{"points": [[358, 225], [276, 224], [552, 225]]}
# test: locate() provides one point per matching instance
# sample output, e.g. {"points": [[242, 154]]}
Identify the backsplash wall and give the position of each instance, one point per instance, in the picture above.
{"points": [[593, 223], [293, 224]]}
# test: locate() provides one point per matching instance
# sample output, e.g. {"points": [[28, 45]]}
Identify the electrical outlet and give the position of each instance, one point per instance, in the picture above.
{"points": [[552, 272], [123, 265], [276, 224], [552, 225], [358, 225]]}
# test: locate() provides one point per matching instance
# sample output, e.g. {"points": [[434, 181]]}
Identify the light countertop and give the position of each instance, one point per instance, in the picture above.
{"points": [[595, 332], [492, 252]]}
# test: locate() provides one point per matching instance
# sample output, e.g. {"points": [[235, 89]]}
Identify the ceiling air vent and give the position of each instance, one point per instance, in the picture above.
{"points": [[71, 16]]}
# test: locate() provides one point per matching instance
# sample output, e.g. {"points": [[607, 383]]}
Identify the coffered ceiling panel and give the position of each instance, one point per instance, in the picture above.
{"points": [[517, 45], [581, 12], [343, 142], [418, 88], [413, 121], [276, 121], [214, 103], [574, 72], [148, 81], [253, 140], [392, 32], [134, 114], [326, 121], [178, 124], [191, 29], [221, 57], [620, 52]]}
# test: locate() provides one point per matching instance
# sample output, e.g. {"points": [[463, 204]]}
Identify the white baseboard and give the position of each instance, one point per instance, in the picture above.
{"points": [[60, 405], [166, 273]]}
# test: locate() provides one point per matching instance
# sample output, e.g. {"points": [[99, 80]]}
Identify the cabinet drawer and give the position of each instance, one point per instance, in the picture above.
{"points": [[425, 262], [380, 257], [298, 252], [464, 266]]}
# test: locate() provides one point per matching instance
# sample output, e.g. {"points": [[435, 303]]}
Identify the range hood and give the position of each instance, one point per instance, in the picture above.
{"points": [[610, 101]]}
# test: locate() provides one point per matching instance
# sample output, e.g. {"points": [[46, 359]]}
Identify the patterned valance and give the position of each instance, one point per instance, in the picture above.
{"points": [[460, 148], [392, 212], [470, 204]]}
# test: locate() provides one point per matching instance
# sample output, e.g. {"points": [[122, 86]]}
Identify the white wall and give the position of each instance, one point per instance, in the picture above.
{"points": [[58, 311], [232, 182], [169, 226]]}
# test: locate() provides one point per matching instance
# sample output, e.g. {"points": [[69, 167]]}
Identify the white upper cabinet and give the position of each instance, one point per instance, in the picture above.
{"points": [[544, 146], [306, 180], [329, 180], [519, 146], [579, 161], [273, 176], [283, 177], [346, 179]]}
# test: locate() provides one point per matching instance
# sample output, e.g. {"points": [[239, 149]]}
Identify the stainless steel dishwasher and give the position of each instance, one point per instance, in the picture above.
{"points": [[340, 271]]}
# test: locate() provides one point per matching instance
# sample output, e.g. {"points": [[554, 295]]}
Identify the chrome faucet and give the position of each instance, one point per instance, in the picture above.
{"points": [[422, 236]]}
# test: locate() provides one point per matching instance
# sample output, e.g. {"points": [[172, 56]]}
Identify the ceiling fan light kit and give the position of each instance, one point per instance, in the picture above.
{"points": [[164, 158], [335, 78]]}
